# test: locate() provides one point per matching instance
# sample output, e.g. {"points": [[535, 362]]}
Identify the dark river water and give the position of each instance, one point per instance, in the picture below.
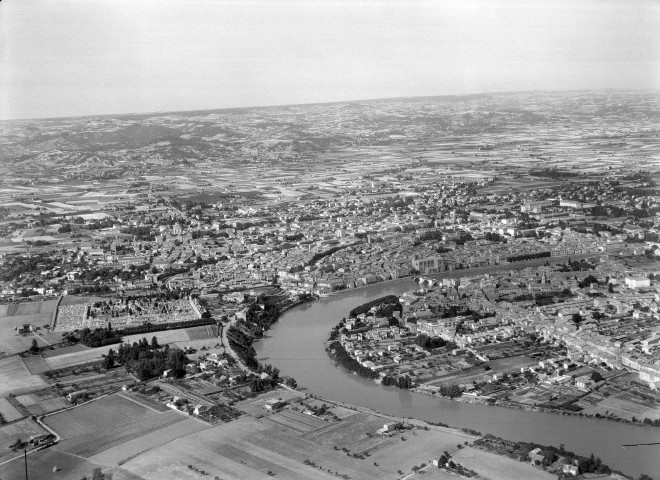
{"points": [[295, 345]]}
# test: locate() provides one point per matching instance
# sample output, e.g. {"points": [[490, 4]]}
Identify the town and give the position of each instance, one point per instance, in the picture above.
{"points": [[142, 257]]}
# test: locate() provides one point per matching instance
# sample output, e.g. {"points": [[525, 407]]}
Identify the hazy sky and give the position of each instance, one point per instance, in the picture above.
{"points": [[77, 57]]}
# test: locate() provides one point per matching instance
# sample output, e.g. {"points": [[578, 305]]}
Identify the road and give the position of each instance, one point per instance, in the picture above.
{"points": [[225, 343]]}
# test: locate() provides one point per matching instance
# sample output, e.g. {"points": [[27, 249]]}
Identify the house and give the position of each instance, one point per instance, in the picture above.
{"points": [[274, 404], [389, 427], [198, 409], [584, 382], [167, 373], [25, 328], [637, 282], [536, 455], [74, 396], [570, 469]]}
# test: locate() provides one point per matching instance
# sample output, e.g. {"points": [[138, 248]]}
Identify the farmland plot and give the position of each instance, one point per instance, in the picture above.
{"points": [[94, 416], [41, 464], [77, 358], [22, 429], [8, 411], [296, 421], [42, 402], [112, 435], [14, 376], [11, 342], [496, 467], [121, 452]]}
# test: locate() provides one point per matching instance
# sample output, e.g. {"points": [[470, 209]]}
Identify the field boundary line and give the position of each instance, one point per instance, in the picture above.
{"points": [[53, 318], [79, 405], [138, 403]]}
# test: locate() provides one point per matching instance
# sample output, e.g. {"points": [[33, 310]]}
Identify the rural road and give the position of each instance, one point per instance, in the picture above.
{"points": [[228, 349]]}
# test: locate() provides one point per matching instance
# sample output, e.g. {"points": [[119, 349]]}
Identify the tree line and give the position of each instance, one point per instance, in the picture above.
{"points": [[342, 357], [365, 307], [148, 360], [528, 256], [103, 336]]}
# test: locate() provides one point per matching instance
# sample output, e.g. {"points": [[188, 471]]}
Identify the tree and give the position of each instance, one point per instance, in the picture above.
{"points": [[577, 318], [34, 349], [109, 360], [97, 474], [154, 343]]}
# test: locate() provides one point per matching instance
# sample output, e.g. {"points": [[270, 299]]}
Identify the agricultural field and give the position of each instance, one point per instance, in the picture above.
{"points": [[115, 428], [511, 364], [77, 357], [164, 337], [255, 406], [356, 433], [118, 434], [42, 463], [496, 467], [249, 448], [112, 410], [30, 313], [128, 448], [14, 376], [202, 332], [432, 473], [43, 402], [69, 300], [64, 350], [623, 405], [297, 421], [23, 429], [36, 364], [8, 411]]}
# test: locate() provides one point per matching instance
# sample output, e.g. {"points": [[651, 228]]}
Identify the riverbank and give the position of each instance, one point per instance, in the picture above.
{"points": [[506, 451], [295, 345], [341, 358]]}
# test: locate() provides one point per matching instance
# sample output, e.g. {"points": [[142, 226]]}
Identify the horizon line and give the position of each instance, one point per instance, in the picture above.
{"points": [[280, 105]]}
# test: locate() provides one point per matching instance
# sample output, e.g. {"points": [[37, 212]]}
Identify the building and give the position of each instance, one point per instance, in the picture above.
{"points": [[536, 455], [584, 382], [637, 282], [274, 404]]}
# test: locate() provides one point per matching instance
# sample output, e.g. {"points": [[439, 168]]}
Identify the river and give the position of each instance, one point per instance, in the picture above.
{"points": [[295, 345]]}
